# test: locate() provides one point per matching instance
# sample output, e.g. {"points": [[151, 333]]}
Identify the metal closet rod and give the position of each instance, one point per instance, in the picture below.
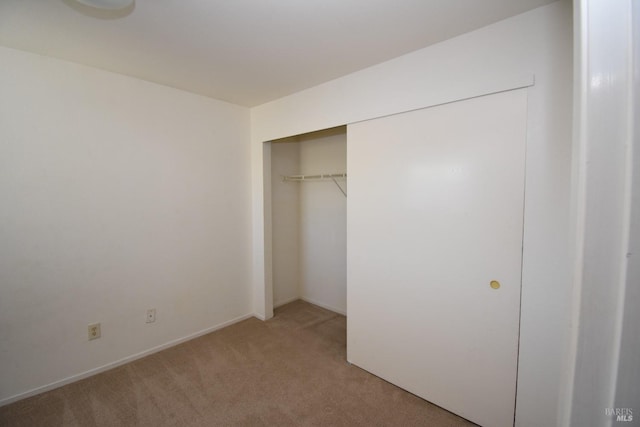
{"points": [[313, 177]]}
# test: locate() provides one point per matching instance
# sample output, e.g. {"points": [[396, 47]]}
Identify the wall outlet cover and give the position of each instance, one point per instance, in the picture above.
{"points": [[94, 331]]}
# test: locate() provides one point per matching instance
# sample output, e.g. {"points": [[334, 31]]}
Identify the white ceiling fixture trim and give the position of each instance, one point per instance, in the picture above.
{"points": [[107, 4]]}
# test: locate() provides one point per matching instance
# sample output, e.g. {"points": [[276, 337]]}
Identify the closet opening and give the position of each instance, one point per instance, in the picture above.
{"points": [[309, 219]]}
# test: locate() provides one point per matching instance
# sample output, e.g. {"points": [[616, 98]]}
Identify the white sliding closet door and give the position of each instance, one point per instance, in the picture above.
{"points": [[435, 214]]}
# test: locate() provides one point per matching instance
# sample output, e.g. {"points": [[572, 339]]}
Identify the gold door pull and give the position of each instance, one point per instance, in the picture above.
{"points": [[494, 284]]}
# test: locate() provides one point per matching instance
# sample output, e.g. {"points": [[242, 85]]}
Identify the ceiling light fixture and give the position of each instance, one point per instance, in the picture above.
{"points": [[107, 4]]}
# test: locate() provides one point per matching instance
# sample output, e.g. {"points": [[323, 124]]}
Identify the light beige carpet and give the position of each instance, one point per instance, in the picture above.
{"points": [[290, 370]]}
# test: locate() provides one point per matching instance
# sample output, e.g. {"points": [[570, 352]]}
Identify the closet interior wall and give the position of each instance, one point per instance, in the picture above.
{"points": [[309, 220]]}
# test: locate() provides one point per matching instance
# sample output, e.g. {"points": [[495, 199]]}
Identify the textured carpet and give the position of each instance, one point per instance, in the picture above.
{"points": [[290, 370]]}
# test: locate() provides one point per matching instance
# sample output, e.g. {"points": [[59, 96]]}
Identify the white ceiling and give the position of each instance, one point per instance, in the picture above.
{"points": [[244, 51]]}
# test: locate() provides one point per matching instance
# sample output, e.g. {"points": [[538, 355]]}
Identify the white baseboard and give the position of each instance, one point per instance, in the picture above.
{"points": [[325, 306], [260, 316], [120, 362]]}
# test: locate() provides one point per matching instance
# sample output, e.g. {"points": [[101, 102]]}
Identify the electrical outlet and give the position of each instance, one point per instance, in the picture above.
{"points": [[151, 315], [94, 331]]}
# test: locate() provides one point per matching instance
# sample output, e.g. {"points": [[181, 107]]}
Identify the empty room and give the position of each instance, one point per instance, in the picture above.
{"points": [[319, 213]]}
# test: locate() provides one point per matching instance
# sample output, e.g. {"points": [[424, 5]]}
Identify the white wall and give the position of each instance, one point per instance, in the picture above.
{"points": [[116, 195], [309, 236], [323, 221], [502, 56], [285, 220]]}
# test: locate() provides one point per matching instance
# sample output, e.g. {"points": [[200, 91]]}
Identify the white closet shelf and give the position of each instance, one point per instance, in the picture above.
{"points": [[322, 176], [314, 177]]}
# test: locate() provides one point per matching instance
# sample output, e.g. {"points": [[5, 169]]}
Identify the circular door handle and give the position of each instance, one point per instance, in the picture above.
{"points": [[494, 284]]}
